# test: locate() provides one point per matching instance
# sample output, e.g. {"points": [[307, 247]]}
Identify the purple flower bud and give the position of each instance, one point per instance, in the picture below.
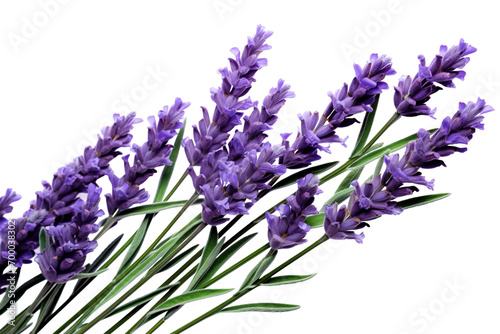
{"points": [[336, 227], [288, 229]]}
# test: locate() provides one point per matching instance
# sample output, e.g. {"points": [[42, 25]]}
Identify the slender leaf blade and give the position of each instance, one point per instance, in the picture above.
{"points": [[366, 127], [136, 243], [287, 279], [421, 200], [92, 274], [43, 239], [258, 270], [373, 155], [166, 175], [298, 175], [261, 307], [188, 297], [224, 257], [315, 221], [151, 208]]}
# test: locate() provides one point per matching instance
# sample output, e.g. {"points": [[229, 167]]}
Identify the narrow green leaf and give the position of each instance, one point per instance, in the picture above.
{"points": [[92, 274], [287, 279], [151, 208], [95, 265], [141, 300], [338, 197], [141, 268], [210, 252], [258, 270], [354, 174], [48, 307], [224, 257], [166, 175], [380, 163], [369, 157], [43, 239], [188, 297], [136, 243], [315, 221], [421, 200], [7, 297], [366, 127], [178, 258], [261, 307], [298, 175]]}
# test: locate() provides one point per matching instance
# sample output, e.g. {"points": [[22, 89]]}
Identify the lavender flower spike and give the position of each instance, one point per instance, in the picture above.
{"points": [[5, 204], [151, 155], [288, 229], [345, 103], [65, 256], [412, 94]]}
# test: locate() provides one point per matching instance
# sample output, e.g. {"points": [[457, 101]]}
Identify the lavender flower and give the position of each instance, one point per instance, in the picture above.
{"points": [[236, 186], [211, 135], [412, 94], [346, 102], [5, 204], [288, 229], [65, 256], [151, 155], [377, 197], [55, 204]]}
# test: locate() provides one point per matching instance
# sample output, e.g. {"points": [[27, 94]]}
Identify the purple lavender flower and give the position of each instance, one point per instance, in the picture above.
{"points": [[346, 102], [259, 122], [338, 227], [55, 204], [411, 95], [236, 186], [288, 229], [65, 256], [5, 204], [377, 197], [211, 135], [151, 155]]}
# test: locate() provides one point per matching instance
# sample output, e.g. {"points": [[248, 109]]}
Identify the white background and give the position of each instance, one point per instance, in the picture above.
{"points": [[63, 76]]}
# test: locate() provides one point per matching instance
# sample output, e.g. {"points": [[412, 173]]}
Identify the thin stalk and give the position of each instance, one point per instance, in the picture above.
{"points": [[39, 299], [156, 268], [179, 182], [240, 294], [89, 307]]}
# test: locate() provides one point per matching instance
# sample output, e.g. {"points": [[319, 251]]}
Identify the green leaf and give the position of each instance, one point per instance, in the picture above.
{"points": [[373, 155], [298, 175], [81, 284], [210, 252], [188, 297], [43, 239], [178, 258], [380, 163], [421, 200], [92, 274], [136, 243], [366, 127], [223, 258], [166, 175], [261, 307], [151, 208], [141, 268], [339, 197], [315, 221], [258, 270], [7, 297], [141, 300], [287, 279], [48, 307]]}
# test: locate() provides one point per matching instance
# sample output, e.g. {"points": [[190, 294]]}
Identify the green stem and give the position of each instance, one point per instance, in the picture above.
{"points": [[179, 182], [89, 308], [39, 299], [240, 294], [153, 271]]}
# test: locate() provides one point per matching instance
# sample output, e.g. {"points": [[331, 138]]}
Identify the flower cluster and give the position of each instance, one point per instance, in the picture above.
{"points": [[289, 229], [377, 197], [69, 244], [151, 155], [412, 94], [345, 103], [55, 204]]}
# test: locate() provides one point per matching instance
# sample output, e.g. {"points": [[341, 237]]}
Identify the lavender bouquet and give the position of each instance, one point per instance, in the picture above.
{"points": [[232, 165]]}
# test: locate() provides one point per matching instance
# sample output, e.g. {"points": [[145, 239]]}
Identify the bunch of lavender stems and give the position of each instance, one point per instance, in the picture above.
{"points": [[222, 161]]}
